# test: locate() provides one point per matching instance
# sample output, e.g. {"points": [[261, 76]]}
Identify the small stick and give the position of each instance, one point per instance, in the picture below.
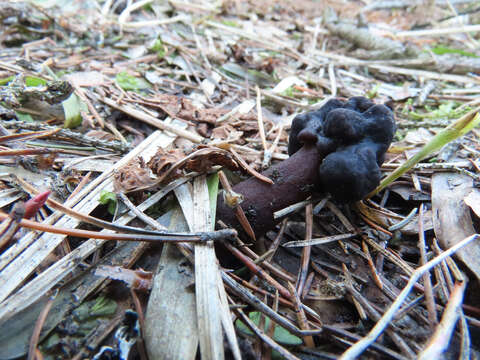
{"points": [[38, 328], [261, 129], [11, 224], [405, 221], [427, 281], [28, 135], [267, 340], [95, 221], [301, 318], [349, 281], [319, 241], [257, 270], [141, 321], [309, 312], [375, 226], [408, 307], [271, 327], [375, 315], [289, 209], [20, 152], [170, 237], [441, 338], [239, 213], [371, 265], [245, 249], [81, 94], [258, 304], [276, 242], [388, 255], [256, 289], [267, 155], [66, 133], [140, 214], [248, 168], [354, 351], [143, 116], [80, 185], [377, 347], [306, 251]]}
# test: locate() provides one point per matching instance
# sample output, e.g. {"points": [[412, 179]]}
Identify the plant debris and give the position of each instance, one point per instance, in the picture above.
{"points": [[138, 120]]}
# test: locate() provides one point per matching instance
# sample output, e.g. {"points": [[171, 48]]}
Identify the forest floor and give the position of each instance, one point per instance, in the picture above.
{"points": [[134, 116]]}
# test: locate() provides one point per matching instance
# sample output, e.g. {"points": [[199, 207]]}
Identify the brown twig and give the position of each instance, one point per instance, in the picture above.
{"points": [[266, 339], [28, 135], [141, 320], [427, 281], [38, 328], [371, 265], [251, 299], [239, 213], [11, 224], [441, 338], [248, 168], [21, 152], [301, 318], [354, 351], [171, 237], [306, 251], [276, 242]]}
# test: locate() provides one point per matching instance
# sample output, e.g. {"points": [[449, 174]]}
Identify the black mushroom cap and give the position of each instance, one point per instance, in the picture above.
{"points": [[352, 137]]}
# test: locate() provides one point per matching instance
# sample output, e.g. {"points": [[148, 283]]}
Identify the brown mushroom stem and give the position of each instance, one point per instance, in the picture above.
{"points": [[294, 180]]}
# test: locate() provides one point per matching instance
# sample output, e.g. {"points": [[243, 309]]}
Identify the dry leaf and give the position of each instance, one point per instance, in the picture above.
{"points": [[100, 134], [473, 200], [132, 176], [163, 161], [452, 221]]}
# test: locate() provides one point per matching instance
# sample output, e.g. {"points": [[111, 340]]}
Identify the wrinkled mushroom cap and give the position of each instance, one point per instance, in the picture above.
{"points": [[352, 138]]}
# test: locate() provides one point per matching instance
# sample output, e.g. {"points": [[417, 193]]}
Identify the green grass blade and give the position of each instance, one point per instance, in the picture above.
{"points": [[451, 132]]}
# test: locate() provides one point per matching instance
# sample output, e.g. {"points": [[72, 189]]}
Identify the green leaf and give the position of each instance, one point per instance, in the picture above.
{"points": [[212, 184], [442, 49], [280, 335], [230, 23], [24, 117], [6, 80], [103, 307], [159, 48], [110, 199], [253, 76], [34, 81], [444, 111], [72, 108], [129, 82], [453, 131]]}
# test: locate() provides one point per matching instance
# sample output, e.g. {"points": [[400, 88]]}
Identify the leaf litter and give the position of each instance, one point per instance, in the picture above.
{"points": [[141, 99]]}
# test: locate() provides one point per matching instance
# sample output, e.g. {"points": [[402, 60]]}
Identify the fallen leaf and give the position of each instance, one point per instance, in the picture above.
{"points": [[452, 221], [132, 176], [473, 200]]}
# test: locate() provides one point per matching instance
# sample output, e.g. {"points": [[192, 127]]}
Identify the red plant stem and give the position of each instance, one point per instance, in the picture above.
{"points": [[35, 203], [26, 152], [257, 270]]}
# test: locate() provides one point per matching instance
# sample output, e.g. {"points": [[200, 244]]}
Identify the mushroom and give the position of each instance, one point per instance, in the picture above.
{"points": [[336, 150]]}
